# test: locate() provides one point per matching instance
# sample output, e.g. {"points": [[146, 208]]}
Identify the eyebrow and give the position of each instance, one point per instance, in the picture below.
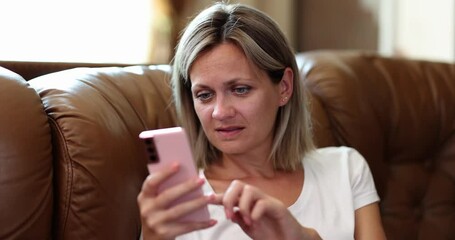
{"points": [[228, 83]]}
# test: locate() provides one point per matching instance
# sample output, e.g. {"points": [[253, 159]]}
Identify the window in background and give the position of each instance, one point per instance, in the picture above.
{"points": [[425, 29], [100, 31], [419, 29]]}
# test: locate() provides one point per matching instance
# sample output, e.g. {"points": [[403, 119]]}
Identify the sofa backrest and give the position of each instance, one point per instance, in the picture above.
{"points": [[96, 115], [400, 115], [30, 70], [26, 190]]}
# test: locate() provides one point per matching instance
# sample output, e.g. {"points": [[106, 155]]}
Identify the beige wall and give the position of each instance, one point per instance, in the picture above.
{"points": [[328, 24], [316, 24], [410, 28], [425, 29], [280, 10]]}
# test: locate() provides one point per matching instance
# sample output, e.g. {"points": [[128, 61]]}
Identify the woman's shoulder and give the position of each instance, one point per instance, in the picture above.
{"points": [[334, 156], [333, 151]]}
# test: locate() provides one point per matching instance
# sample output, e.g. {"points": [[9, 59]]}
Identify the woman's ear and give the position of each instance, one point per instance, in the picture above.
{"points": [[286, 86]]}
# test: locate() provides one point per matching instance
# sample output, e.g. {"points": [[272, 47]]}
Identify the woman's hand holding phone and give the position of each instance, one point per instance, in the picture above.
{"points": [[160, 219], [171, 201]]}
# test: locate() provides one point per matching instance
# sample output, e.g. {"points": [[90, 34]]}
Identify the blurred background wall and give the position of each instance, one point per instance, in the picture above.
{"points": [[146, 31], [422, 29]]}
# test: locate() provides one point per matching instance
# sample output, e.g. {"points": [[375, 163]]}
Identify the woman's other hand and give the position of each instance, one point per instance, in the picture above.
{"points": [[159, 219], [262, 216]]}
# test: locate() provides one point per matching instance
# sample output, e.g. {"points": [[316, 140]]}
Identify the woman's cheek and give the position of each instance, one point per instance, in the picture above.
{"points": [[203, 113]]}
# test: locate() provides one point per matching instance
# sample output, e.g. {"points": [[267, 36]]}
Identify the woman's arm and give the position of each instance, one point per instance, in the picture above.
{"points": [[368, 223]]}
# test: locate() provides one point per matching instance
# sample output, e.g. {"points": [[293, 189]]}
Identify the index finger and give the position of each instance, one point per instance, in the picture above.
{"points": [[231, 197]]}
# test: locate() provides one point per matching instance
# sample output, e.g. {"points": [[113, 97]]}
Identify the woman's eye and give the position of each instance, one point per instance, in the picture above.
{"points": [[204, 96], [241, 90]]}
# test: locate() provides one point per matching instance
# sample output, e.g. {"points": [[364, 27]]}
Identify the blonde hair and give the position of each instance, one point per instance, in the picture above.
{"points": [[265, 46]]}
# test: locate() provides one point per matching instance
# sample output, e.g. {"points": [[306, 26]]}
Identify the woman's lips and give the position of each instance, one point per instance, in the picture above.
{"points": [[228, 132]]}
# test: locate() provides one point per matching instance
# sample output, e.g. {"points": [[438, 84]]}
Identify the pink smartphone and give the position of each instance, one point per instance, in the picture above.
{"points": [[164, 147]]}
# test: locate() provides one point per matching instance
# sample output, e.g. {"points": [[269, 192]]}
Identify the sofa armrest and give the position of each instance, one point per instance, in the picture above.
{"points": [[25, 162], [96, 115]]}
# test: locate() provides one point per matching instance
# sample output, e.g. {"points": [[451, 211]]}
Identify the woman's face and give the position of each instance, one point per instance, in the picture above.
{"points": [[236, 103]]}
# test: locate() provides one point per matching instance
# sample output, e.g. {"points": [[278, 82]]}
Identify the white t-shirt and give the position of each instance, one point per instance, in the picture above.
{"points": [[337, 182]]}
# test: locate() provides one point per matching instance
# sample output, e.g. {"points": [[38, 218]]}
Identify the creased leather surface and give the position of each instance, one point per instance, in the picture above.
{"points": [[96, 115], [25, 162], [400, 115]]}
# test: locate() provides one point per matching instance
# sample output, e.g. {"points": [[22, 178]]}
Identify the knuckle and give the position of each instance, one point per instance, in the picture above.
{"points": [[226, 200], [161, 231], [143, 212], [150, 222], [139, 198], [261, 203], [165, 200], [151, 183], [248, 188], [237, 182], [172, 215]]}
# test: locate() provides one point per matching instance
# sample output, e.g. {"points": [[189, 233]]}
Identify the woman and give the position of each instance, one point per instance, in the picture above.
{"points": [[238, 94]]}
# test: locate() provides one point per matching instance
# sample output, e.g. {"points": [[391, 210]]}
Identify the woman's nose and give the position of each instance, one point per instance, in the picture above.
{"points": [[223, 109]]}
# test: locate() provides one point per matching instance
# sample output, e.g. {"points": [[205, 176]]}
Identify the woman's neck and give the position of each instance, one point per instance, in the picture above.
{"points": [[231, 167], [283, 185]]}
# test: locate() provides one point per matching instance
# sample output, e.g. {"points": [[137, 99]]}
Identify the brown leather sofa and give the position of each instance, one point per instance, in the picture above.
{"points": [[71, 164], [400, 114], [25, 161]]}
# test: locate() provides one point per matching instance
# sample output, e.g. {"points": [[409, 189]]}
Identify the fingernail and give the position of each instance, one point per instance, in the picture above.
{"points": [[200, 181], [175, 166], [211, 197]]}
